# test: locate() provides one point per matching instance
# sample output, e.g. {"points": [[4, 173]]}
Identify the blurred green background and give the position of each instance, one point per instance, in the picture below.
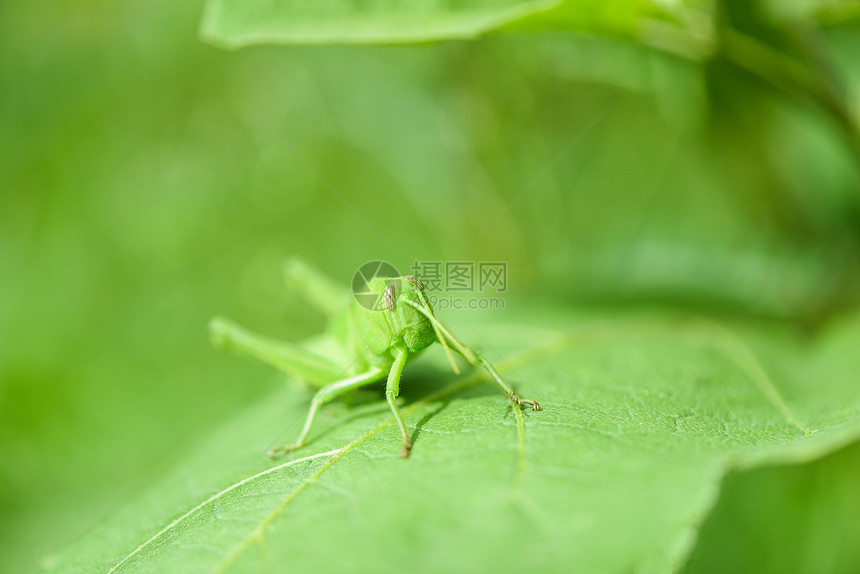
{"points": [[149, 181]]}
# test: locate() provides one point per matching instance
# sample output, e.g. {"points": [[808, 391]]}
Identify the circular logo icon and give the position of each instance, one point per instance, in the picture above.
{"points": [[362, 282]]}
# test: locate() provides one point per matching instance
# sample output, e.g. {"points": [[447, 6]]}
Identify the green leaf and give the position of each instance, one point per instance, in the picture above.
{"points": [[798, 518], [642, 419], [235, 23], [238, 23], [621, 18]]}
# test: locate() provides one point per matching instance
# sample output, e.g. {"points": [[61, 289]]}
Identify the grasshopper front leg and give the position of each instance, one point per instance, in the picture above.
{"points": [[473, 357], [392, 389], [476, 359]]}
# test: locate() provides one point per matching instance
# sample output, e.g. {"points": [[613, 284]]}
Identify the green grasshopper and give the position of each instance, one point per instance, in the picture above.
{"points": [[382, 339]]}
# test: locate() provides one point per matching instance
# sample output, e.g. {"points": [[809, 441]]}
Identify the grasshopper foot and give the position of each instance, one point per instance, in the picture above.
{"points": [[522, 402], [407, 448]]}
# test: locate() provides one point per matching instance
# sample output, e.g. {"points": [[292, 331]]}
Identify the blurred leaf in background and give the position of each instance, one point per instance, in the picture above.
{"points": [[700, 156]]}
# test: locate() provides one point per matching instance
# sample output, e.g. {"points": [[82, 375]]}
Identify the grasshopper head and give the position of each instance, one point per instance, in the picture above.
{"points": [[409, 313], [390, 292], [396, 301]]}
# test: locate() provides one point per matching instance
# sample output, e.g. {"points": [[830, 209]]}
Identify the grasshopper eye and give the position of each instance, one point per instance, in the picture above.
{"points": [[416, 282], [389, 298]]}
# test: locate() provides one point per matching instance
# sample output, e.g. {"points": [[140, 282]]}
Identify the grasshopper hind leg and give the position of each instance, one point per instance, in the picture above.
{"points": [[320, 290], [286, 357]]}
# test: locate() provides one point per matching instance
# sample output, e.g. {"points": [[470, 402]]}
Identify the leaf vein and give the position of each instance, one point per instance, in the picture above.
{"points": [[210, 500]]}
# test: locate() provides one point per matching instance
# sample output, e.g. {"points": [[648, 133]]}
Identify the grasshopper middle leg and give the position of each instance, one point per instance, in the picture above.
{"points": [[323, 396]]}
